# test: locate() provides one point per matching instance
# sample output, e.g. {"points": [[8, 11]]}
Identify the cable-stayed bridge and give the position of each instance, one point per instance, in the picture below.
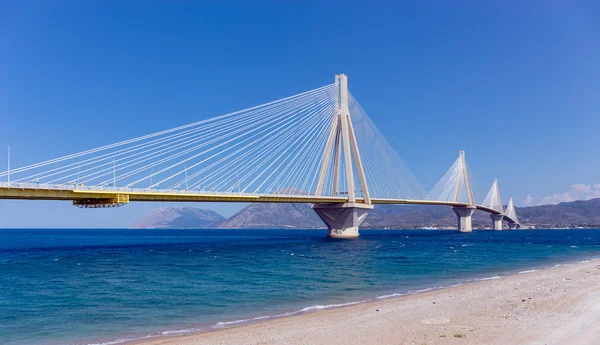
{"points": [[317, 147]]}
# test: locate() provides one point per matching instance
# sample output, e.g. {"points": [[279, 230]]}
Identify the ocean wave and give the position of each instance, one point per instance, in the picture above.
{"points": [[122, 340], [182, 331], [428, 289], [392, 295], [224, 324], [528, 271], [328, 306], [486, 278], [414, 292]]}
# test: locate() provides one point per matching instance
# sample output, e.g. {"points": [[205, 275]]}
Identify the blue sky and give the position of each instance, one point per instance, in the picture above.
{"points": [[513, 83]]}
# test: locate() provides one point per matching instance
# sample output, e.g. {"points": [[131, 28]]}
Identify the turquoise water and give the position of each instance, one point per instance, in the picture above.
{"points": [[104, 286]]}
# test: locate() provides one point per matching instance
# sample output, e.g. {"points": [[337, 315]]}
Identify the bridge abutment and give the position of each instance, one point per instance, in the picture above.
{"points": [[497, 221], [342, 220], [463, 215]]}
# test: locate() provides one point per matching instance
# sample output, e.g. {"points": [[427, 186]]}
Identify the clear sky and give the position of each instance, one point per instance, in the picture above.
{"points": [[514, 83]]}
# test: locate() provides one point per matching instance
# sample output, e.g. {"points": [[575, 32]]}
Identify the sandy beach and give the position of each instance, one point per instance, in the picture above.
{"points": [[558, 305]]}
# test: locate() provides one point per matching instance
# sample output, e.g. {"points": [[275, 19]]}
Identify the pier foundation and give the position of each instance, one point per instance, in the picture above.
{"points": [[497, 221], [514, 226], [463, 215], [342, 220]]}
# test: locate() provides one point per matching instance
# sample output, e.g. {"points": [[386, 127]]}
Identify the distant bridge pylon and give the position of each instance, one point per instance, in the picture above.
{"points": [[318, 147]]}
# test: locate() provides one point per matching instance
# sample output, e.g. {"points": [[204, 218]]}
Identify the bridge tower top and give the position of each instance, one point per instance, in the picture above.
{"points": [[511, 212], [466, 178], [342, 144]]}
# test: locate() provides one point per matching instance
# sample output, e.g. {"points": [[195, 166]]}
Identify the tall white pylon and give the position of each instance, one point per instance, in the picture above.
{"points": [[493, 199], [342, 220], [511, 212], [341, 140], [451, 185], [466, 179]]}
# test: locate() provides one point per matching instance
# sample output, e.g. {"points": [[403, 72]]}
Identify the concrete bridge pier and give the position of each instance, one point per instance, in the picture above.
{"points": [[514, 226], [463, 214], [497, 221], [342, 220]]}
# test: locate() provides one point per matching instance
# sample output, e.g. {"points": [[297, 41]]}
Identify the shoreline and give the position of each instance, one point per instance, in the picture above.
{"points": [[229, 329]]}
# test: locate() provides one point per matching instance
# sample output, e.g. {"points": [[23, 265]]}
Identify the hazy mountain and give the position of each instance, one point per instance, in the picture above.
{"points": [[418, 216], [566, 214], [273, 216], [383, 216], [177, 218], [301, 216]]}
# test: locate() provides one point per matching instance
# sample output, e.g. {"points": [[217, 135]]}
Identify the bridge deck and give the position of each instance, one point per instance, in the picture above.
{"points": [[65, 194]]}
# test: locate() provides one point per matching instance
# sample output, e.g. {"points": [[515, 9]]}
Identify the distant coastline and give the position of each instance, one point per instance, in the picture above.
{"points": [[568, 215]]}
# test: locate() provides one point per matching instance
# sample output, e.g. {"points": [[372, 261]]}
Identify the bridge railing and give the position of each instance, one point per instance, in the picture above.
{"points": [[82, 187]]}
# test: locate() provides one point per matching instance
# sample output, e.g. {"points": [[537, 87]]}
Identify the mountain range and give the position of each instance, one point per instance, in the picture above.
{"points": [[301, 216], [177, 218]]}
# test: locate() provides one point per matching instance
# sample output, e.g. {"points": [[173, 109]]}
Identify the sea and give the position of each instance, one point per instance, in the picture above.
{"points": [[81, 286]]}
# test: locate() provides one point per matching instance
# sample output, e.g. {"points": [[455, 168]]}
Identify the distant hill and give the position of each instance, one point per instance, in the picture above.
{"points": [[177, 218], [270, 216], [301, 216], [578, 213], [418, 216]]}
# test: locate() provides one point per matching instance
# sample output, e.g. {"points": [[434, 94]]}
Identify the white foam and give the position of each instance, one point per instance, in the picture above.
{"points": [[392, 295], [425, 290], [328, 306], [222, 324], [122, 340], [414, 292], [456, 285], [181, 331], [488, 278], [528, 271]]}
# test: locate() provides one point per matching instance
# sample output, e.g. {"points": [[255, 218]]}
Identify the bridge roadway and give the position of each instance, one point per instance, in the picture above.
{"points": [[90, 196]]}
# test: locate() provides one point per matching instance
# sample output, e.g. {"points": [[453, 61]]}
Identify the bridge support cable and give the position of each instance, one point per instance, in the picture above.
{"points": [[217, 174], [341, 145], [167, 133], [494, 202], [342, 165], [493, 199], [272, 148], [455, 185], [380, 168], [387, 175]]}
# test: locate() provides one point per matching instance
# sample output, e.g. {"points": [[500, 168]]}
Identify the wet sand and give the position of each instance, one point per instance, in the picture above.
{"points": [[558, 305]]}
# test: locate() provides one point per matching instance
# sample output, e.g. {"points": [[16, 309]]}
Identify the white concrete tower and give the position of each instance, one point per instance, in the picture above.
{"points": [[344, 219], [463, 214]]}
